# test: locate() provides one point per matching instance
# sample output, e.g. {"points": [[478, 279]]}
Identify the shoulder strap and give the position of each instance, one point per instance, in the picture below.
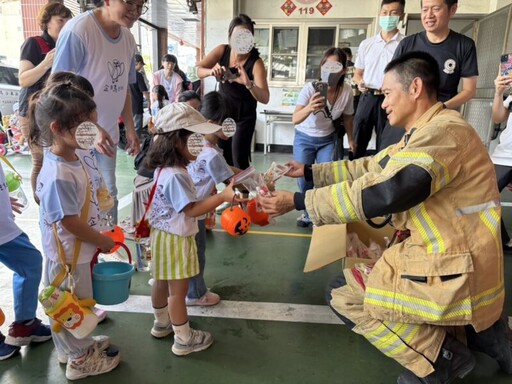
{"points": [[151, 195], [43, 45], [10, 165]]}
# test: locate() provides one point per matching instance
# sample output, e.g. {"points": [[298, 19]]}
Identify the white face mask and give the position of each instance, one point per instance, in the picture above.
{"points": [[331, 72], [195, 144], [242, 41], [388, 23], [87, 135]]}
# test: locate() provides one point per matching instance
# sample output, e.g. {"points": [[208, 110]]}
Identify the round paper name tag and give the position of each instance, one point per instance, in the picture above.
{"points": [[195, 144], [242, 41], [228, 127], [86, 135]]}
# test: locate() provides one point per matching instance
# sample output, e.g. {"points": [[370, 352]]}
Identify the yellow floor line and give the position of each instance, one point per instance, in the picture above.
{"points": [[286, 234]]}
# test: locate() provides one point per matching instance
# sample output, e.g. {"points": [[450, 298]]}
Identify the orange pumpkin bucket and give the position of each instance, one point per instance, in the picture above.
{"points": [[2, 317], [235, 221], [256, 214]]}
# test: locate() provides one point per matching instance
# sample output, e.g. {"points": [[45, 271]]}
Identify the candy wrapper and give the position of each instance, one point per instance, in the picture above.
{"points": [[253, 181], [275, 172]]}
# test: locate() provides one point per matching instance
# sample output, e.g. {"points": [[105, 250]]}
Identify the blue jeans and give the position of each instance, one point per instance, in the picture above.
{"points": [[107, 167], [196, 285], [310, 150], [20, 256]]}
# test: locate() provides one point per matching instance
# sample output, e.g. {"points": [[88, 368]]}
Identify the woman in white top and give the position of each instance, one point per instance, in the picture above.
{"points": [[502, 155], [314, 117], [167, 77]]}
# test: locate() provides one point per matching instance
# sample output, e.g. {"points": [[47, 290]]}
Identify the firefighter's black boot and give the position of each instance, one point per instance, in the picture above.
{"points": [[454, 360], [495, 342]]}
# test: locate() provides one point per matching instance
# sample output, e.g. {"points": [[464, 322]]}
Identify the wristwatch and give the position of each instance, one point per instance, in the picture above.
{"points": [[251, 85]]}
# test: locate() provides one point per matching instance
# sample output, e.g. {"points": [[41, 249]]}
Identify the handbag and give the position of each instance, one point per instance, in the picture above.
{"points": [[61, 305], [142, 227]]}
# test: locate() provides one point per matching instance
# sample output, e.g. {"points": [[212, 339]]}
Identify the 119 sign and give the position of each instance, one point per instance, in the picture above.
{"points": [[307, 10]]}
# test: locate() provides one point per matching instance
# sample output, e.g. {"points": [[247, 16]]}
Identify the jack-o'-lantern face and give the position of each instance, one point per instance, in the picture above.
{"points": [[242, 227], [235, 221]]}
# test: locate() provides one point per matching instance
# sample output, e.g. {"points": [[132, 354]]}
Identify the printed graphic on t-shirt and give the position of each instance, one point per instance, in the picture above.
{"points": [[449, 66], [116, 69]]}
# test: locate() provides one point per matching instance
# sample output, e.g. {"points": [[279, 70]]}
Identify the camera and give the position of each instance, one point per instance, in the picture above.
{"points": [[321, 87], [229, 74]]}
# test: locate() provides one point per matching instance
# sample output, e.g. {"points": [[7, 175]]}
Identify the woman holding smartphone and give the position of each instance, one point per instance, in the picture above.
{"points": [[242, 81], [320, 105]]}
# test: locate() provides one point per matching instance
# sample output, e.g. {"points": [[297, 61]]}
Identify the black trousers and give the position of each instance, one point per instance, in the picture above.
{"points": [[369, 116], [237, 150]]}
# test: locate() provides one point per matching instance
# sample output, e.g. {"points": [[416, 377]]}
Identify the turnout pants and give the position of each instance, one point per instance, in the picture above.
{"points": [[414, 346]]}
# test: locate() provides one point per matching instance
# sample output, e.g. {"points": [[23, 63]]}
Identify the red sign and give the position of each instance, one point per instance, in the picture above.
{"points": [[324, 6], [288, 7]]}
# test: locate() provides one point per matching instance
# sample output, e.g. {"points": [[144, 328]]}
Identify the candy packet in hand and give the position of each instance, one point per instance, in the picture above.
{"points": [[275, 172]]}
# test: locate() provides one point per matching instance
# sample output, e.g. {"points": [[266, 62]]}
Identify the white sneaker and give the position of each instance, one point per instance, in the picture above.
{"points": [[199, 341], [160, 331], [95, 363], [101, 342]]}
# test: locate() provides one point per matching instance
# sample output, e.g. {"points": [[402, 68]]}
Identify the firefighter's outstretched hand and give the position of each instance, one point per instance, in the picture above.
{"points": [[278, 204]]}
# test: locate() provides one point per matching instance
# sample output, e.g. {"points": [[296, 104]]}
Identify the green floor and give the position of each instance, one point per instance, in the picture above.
{"points": [[255, 268]]}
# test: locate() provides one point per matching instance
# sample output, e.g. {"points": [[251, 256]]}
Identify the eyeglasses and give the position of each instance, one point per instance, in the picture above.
{"points": [[132, 5]]}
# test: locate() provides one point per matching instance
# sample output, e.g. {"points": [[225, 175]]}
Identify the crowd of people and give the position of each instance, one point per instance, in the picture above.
{"points": [[431, 173]]}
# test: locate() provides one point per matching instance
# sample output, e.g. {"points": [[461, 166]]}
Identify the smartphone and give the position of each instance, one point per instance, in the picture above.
{"points": [[506, 64], [321, 87], [230, 74]]}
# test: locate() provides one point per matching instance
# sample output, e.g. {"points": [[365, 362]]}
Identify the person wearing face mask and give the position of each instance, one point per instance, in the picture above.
{"points": [[454, 53], [373, 55], [317, 118], [243, 83]]}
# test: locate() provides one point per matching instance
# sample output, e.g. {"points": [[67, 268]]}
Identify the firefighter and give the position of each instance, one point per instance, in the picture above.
{"points": [[438, 182]]}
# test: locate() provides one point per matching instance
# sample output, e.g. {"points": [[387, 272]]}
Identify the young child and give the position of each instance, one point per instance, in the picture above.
{"points": [[18, 254], [209, 169], [143, 183], [173, 219], [62, 187], [159, 99]]}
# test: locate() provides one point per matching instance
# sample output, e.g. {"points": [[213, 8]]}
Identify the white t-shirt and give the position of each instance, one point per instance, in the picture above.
{"points": [[174, 191], [61, 187], [317, 124], [8, 228], [502, 154], [373, 55], [155, 108], [209, 169], [84, 48]]}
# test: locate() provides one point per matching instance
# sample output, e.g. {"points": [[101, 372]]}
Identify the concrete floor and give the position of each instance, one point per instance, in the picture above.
{"points": [[271, 327]]}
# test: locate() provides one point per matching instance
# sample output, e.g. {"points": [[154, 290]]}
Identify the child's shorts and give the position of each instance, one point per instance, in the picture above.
{"points": [[173, 257]]}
